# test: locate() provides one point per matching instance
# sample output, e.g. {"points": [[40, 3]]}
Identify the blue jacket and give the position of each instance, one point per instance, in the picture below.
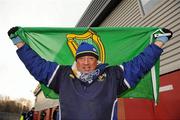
{"points": [[97, 101]]}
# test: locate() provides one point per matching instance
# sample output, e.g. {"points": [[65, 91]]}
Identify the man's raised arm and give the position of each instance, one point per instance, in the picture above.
{"points": [[136, 68], [40, 68]]}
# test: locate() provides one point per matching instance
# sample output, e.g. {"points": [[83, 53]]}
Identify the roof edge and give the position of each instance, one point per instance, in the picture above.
{"points": [[104, 11]]}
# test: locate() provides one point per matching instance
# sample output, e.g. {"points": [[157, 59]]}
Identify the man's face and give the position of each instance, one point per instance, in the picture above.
{"points": [[86, 64]]}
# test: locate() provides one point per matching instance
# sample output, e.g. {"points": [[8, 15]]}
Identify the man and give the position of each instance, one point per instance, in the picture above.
{"points": [[56, 113], [88, 90], [43, 115], [30, 114], [23, 116]]}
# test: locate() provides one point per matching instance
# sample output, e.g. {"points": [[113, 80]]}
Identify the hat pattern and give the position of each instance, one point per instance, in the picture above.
{"points": [[85, 49]]}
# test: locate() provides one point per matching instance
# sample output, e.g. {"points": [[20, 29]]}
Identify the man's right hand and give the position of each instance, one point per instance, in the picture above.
{"points": [[15, 39], [11, 32]]}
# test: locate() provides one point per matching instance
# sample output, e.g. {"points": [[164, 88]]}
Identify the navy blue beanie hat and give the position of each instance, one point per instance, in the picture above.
{"points": [[86, 49]]}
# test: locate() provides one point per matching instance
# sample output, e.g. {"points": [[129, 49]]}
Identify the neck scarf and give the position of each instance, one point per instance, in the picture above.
{"points": [[88, 78]]}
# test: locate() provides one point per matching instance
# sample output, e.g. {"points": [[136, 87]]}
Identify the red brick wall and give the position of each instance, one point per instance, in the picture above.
{"points": [[168, 107]]}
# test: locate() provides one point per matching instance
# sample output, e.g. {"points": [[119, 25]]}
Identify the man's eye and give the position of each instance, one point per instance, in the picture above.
{"points": [[81, 58], [92, 58]]}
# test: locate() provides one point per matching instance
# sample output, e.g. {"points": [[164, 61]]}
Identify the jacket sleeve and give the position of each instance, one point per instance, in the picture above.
{"points": [[136, 68], [41, 69]]}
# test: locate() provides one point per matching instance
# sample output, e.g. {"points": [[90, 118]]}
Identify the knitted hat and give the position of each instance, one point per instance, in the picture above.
{"points": [[86, 49]]}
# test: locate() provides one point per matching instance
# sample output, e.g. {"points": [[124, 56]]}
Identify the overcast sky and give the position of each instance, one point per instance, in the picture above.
{"points": [[15, 80]]}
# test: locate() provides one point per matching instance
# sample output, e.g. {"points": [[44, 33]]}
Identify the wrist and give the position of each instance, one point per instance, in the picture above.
{"points": [[16, 40], [159, 44], [162, 39], [20, 44]]}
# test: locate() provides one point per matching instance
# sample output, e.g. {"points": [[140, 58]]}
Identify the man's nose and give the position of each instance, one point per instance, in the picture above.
{"points": [[86, 61]]}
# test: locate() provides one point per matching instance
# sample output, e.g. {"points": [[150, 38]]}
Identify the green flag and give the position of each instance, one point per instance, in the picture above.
{"points": [[115, 44]]}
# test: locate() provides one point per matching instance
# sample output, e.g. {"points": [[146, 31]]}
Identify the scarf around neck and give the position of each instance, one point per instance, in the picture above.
{"points": [[88, 78]]}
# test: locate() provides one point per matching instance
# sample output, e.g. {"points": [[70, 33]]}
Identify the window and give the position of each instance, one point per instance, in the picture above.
{"points": [[149, 5]]}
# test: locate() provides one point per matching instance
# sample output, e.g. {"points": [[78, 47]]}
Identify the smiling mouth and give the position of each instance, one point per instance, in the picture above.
{"points": [[87, 69]]}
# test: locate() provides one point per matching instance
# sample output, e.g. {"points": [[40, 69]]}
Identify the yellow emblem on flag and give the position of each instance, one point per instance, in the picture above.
{"points": [[73, 45]]}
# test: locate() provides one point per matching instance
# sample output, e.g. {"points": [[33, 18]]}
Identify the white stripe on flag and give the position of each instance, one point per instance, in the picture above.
{"points": [[153, 75]]}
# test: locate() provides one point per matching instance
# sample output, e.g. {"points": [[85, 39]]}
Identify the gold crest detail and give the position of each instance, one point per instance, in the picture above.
{"points": [[71, 75], [73, 45], [102, 77]]}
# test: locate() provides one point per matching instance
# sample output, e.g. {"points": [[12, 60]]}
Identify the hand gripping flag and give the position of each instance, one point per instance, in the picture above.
{"points": [[115, 45]]}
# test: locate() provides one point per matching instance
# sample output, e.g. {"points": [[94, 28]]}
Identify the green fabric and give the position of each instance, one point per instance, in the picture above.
{"points": [[121, 44]]}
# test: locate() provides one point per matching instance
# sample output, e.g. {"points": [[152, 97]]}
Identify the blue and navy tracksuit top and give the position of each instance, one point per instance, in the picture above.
{"points": [[97, 101]]}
